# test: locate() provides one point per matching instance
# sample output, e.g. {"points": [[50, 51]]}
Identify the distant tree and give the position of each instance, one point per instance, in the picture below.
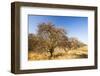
{"points": [[36, 44], [32, 42], [81, 44], [74, 43]]}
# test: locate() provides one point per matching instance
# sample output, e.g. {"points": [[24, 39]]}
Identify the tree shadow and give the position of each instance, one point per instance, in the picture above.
{"points": [[82, 56]]}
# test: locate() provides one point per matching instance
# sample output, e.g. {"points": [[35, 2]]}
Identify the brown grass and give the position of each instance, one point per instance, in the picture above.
{"points": [[60, 54]]}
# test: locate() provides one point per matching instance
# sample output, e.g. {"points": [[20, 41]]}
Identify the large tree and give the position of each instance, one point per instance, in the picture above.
{"points": [[52, 36]]}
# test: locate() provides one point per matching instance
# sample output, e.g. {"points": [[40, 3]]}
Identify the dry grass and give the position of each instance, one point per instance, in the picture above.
{"points": [[60, 54]]}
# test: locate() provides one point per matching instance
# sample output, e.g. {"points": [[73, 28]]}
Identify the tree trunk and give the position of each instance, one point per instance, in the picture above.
{"points": [[51, 53]]}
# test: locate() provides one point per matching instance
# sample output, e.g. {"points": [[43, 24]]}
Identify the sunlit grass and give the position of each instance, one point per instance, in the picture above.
{"points": [[60, 54]]}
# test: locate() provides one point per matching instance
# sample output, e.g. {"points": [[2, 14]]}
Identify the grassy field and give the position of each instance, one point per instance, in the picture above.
{"points": [[60, 54]]}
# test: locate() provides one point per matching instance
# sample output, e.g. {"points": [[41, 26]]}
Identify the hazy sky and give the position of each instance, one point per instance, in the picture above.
{"points": [[75, 26]]}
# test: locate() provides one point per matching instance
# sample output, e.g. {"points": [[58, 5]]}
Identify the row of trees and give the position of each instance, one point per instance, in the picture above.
{"points": [[49, 37]]}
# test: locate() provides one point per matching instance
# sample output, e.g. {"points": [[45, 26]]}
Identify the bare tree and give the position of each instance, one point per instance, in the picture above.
{"points": [[74, 43], [53, 36]]}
